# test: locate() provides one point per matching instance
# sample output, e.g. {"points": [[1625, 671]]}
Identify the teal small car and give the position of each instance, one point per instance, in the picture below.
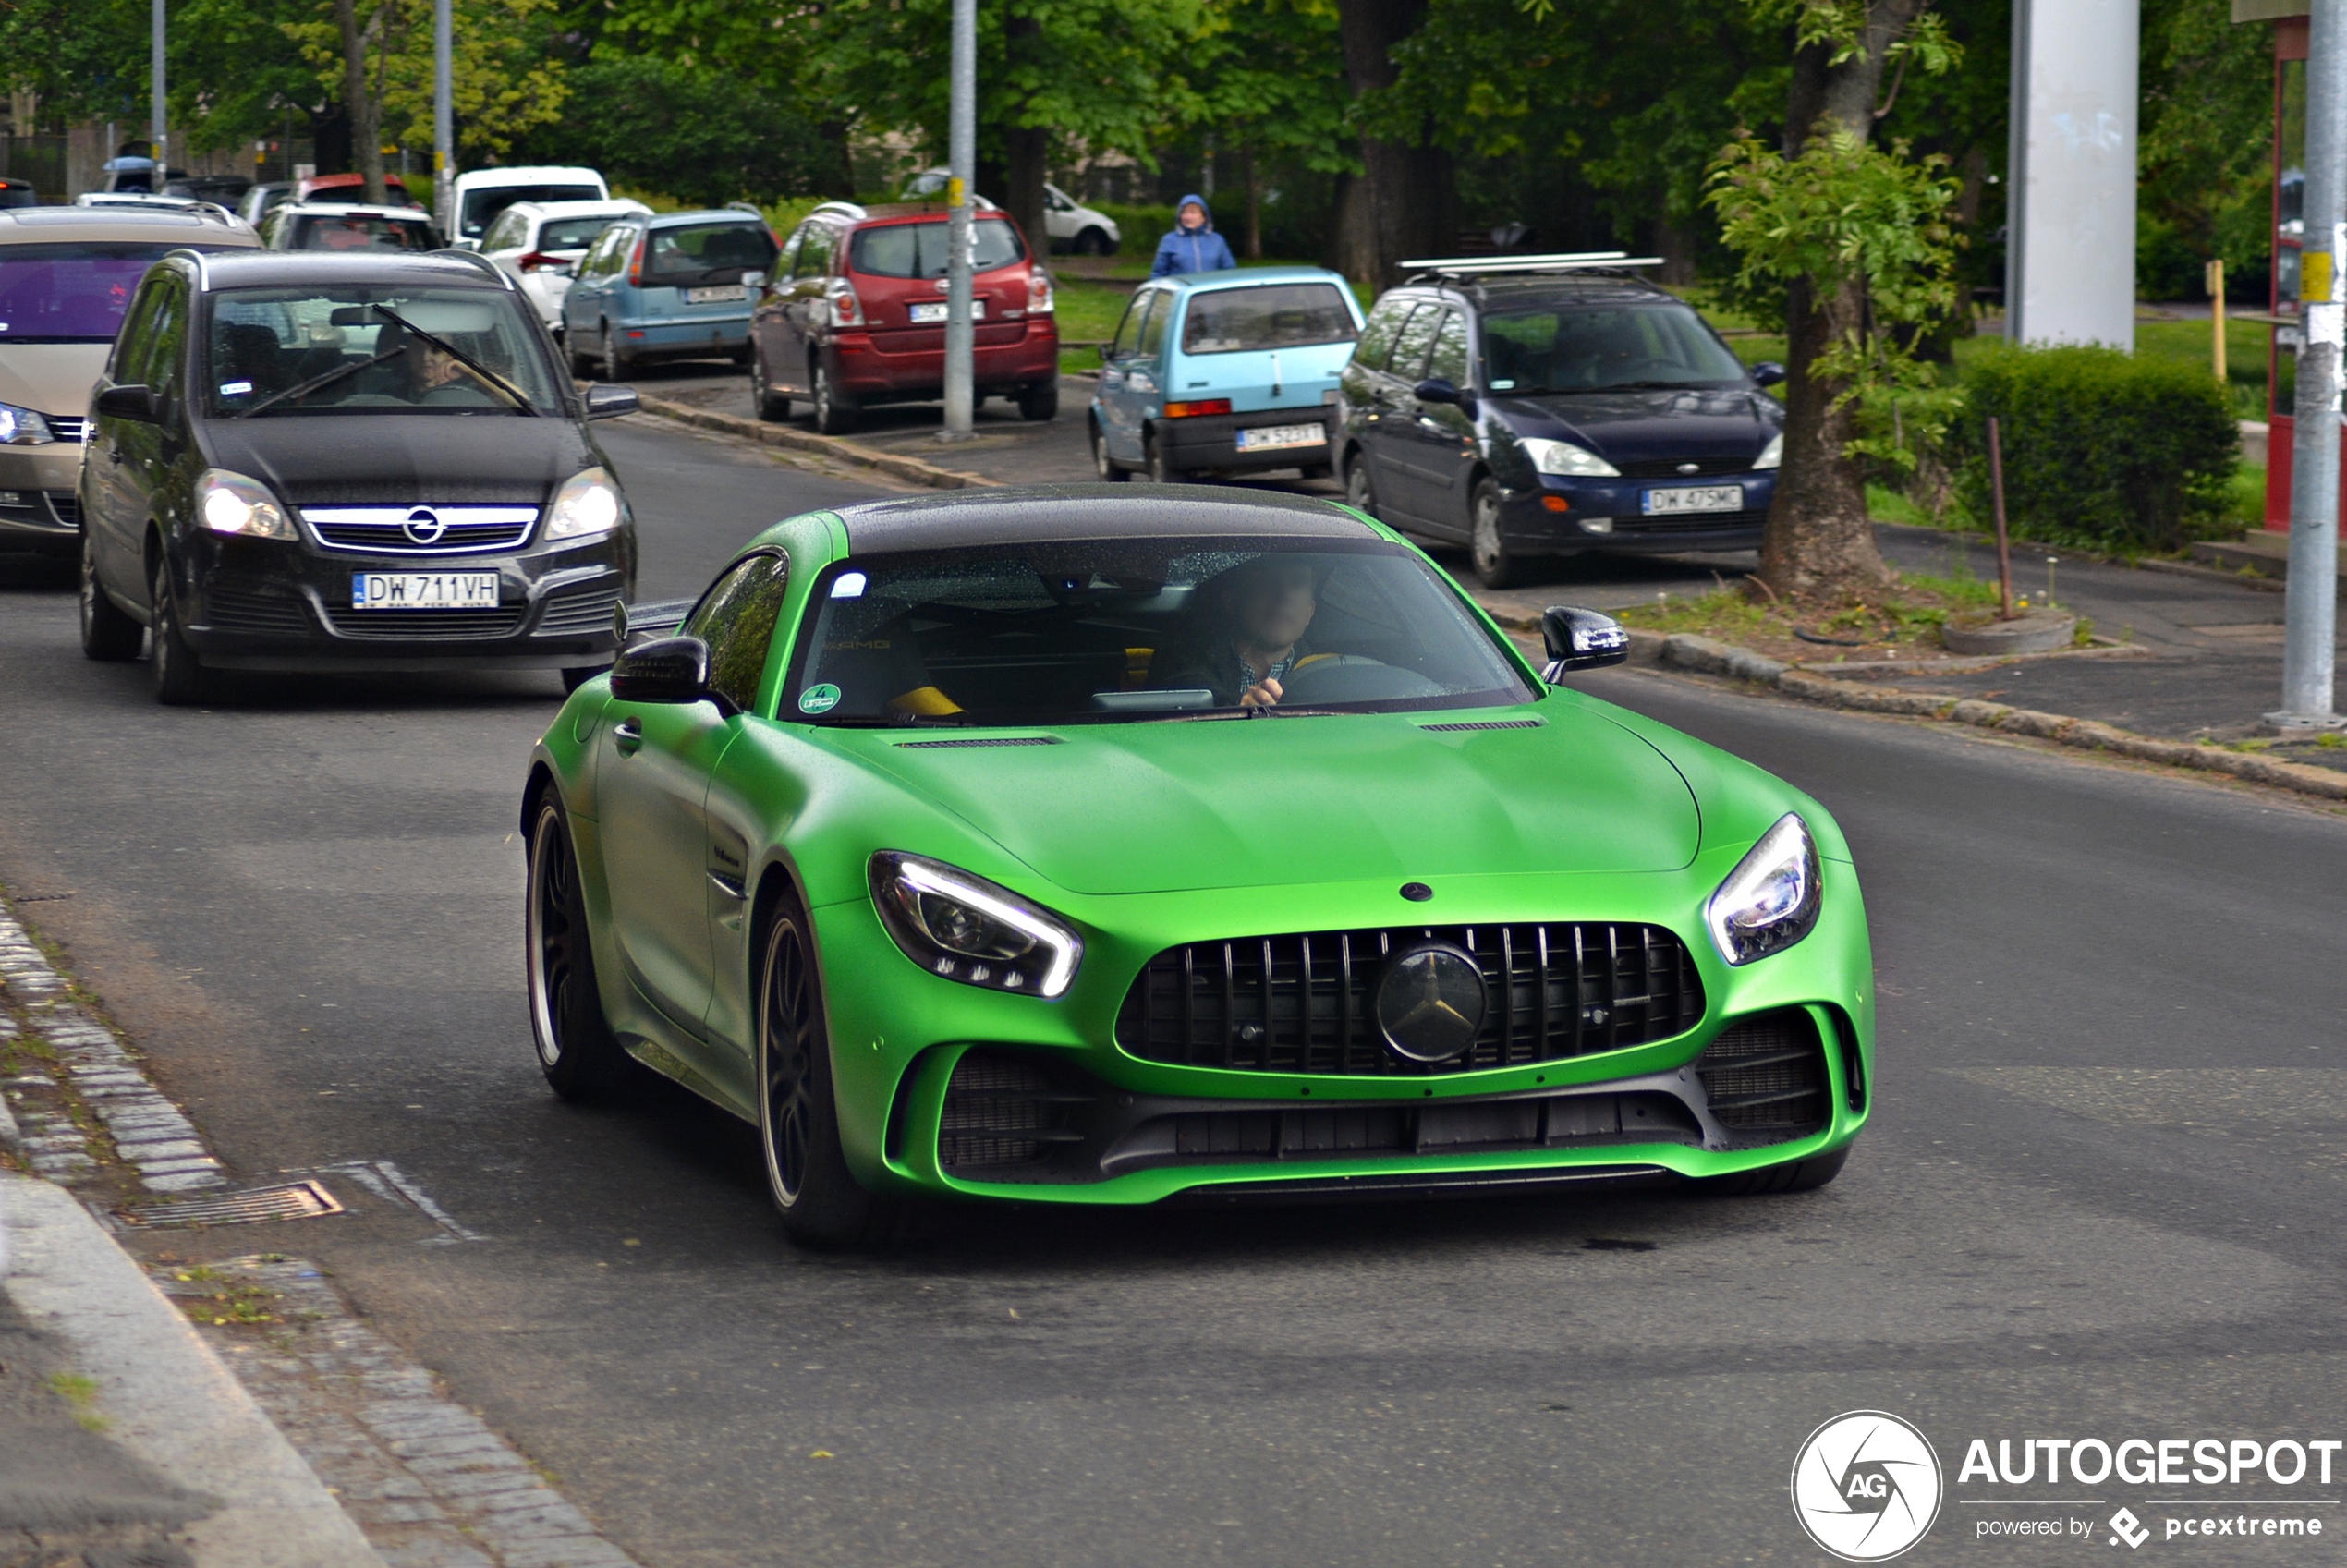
{"points": [[1230, 372]]}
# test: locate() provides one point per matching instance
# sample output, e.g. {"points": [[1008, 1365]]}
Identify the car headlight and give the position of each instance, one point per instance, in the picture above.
{"points": [[1563, 458], [1771, 900], [227, 503], [1772, 455], [588, 504], [966, 928], [23, 427]]}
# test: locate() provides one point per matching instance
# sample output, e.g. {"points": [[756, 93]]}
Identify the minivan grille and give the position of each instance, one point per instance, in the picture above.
{"points": [[1302, 1003], [67, 426], [245, 609], [439, 531]]}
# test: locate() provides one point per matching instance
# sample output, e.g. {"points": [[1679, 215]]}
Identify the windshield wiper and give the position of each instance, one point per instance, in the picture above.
{"points": [[492, 377], [303, 389]]}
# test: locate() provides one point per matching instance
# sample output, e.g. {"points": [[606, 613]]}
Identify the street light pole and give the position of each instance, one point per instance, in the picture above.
{"points": [[156, 115], [961, 157], [443, 117], [2312, 603]]}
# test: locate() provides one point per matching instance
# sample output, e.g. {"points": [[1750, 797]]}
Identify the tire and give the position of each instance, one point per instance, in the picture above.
{"points": [[582, 368], [1495, 563], [576, 1048], [579, 674], [1360, 489], [821, 1202], [1094, 241], [770, 406], [1793, 1175], [611, 364], [180, 677], [1039, 400], [1107, 469], [833, 414], [1153, 459], [106, 633], [1318, 471]]}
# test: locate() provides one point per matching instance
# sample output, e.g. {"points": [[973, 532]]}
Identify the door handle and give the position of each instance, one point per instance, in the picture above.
{"points": [[628, 736]]}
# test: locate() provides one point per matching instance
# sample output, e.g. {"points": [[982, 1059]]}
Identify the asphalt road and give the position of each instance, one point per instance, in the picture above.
{"points": [[2101, 1196]]}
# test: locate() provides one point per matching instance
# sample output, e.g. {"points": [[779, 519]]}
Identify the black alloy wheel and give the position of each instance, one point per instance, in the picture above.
{"points": [[576, 1048], [820, 1200], [613, 365], [1108, 469], [833, 414], [106, 632], [1495, 563], [179, 678], [1039, 400], [1360, 490], [770, 406]]}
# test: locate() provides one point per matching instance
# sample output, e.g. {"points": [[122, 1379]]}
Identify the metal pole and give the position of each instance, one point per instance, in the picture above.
{"points": [[443, 118], [961, 157], [157, 120], [2312, 602], [1997, 496], [2217, 317]]}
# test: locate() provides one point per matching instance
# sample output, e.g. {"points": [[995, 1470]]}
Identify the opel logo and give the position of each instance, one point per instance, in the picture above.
{"points": [[1430, 1002], [423, 526]]}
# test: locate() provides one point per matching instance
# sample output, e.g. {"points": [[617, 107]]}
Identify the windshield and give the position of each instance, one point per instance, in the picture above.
{"points": [[698, 253], [1287, 315], [1587, 349], [1101, 630], [482, 207], [361, 232], [73, 293], [572, 234], [265, 342], [917, 251]]}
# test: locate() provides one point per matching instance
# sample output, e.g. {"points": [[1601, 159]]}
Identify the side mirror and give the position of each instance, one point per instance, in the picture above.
{"points": [[753, 280], [1436, 390], [1767, 372], [673, 669], [132, 402], [607, 402], [1580, 639]]}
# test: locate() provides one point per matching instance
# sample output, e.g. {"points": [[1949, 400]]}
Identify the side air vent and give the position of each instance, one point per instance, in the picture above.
{"points": [[1488, 724], [1765, 1077]]}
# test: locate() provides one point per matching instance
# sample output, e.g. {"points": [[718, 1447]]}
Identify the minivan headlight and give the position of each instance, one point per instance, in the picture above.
{"points": [[24, 427], [588, 504], [1772, 455], [1772, 899], [1563, 458], [965, 928], [231, 502]]}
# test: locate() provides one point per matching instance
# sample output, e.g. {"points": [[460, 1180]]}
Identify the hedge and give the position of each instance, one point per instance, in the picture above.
{"points": [[2101, 448]]}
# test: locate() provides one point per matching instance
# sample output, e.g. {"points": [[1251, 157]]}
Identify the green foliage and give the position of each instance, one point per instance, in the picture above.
{"points": [[2102, 449], [502, 85], [691, 132], [2206, 166]]}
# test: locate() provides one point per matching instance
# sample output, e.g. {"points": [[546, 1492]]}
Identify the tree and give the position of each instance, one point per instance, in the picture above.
{"points": [[697, 134], [1406, 200]]}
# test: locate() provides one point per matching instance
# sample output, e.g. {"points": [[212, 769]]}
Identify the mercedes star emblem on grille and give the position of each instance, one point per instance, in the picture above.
{"points": [[1430, 1002], [423, 526]]}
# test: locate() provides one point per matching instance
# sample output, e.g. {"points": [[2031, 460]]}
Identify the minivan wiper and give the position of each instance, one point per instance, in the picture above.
{"points": [[300, 389], [492, 377]]}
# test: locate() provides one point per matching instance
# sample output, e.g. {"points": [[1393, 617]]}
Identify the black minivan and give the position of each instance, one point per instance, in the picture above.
{"points": [[1527, 412], [361, 463]]}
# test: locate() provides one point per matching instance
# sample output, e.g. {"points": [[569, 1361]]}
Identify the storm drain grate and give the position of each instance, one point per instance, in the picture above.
{"points": [[289, 1200]]}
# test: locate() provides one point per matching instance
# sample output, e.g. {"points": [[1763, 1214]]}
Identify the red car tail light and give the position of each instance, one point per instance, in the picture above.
{"points": [[636, 262], [1192, 410], [846, 309], [538, 261], [1039, 293]]}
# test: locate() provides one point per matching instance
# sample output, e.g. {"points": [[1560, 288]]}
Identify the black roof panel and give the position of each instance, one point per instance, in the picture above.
{"points": [[283, 269], [1088, 510]]}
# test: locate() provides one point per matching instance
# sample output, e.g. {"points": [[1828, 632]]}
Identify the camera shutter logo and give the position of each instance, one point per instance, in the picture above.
{"points": [[1867, 1486]]}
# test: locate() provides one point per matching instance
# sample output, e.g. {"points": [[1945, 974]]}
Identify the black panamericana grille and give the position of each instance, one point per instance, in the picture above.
{"points": [[1669, 467], [1301, 1003], [231, 609], [1003, 1108], [426, 626], [1765, 1077], [578, 614]]}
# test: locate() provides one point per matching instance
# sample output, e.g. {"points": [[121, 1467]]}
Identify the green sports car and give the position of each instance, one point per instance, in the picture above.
{"points": [[1098, 844]]}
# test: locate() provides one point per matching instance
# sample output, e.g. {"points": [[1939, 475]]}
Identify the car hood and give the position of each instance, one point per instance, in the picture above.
{"points": [[51, 378], [355, 459], [1630, 427], [1174, 806]]}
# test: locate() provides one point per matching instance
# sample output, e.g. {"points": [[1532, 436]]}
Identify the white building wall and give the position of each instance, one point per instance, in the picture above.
{"points": [[2069, 257]]}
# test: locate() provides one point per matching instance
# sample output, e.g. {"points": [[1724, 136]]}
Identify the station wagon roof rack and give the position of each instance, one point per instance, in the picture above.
{"points": [[1560, 261]]}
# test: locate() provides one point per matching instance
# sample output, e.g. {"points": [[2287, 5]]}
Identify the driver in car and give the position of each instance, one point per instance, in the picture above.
{"points": [[1250, 635]]}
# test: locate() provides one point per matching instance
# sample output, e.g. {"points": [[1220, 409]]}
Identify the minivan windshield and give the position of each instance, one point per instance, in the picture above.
{"points": [[1140, 629], [1281, 315], [73, 292], [1602, 348], [325, 349], [917, 251]]}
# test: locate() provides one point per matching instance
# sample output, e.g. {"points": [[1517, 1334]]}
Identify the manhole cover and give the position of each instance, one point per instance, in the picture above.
{"points": [[291, 1200]]}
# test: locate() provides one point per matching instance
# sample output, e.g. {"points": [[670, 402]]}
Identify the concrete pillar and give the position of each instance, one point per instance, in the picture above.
{"points": [[2069, 252]]}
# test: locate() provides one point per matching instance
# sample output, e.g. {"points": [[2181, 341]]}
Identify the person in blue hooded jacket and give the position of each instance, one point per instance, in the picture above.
{"points": [[1193, 246]]}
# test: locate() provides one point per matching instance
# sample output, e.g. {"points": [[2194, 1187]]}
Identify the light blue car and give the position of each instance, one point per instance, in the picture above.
{"points": [[1228, 372], [671, 285]]}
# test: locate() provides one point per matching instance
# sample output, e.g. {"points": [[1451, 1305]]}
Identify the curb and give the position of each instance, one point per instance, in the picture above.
{"points": [[166, 1398], [831, 446], [1707, 656]]}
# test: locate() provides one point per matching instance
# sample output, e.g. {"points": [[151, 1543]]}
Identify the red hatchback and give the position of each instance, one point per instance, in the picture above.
{"points": [[855, 314]]}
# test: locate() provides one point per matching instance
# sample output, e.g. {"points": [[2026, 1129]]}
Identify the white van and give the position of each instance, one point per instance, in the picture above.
{"points": [[482, 194]]}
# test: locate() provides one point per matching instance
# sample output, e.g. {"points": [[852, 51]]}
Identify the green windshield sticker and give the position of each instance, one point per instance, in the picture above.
{"points": [[819, 698]]}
